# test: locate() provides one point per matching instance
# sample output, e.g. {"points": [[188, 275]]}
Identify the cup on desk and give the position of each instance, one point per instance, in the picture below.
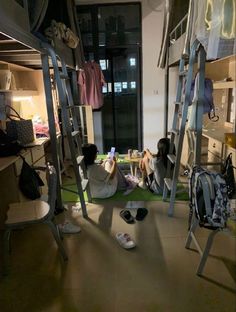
{"points": [[130, 151], [135, 153]]}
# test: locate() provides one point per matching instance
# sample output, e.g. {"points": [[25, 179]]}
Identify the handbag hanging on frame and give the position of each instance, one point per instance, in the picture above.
{"points": [[228, 174], [18, 128]]}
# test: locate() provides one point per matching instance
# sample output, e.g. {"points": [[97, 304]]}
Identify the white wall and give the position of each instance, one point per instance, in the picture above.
{"points": [[153, 77]]}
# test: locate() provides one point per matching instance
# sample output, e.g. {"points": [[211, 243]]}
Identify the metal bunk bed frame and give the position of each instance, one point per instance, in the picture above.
{"points": [[18, 46]]}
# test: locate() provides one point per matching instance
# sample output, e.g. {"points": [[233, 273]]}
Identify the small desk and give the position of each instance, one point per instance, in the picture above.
{"points": [[124, 159], [134, 164]]}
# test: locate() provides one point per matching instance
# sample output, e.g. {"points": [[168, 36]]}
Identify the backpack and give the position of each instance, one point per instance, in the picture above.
{"points": [[208, 104], [208, 198]]}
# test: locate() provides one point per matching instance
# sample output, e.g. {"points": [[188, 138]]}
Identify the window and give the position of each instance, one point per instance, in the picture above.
{"points": [[117, 87], [132, 61], [104, 89], [104, 64], [125, 85], [133, 84]]}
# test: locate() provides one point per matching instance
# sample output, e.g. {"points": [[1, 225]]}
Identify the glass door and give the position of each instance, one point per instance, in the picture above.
{"points": [[111, 35], [121, 110]]}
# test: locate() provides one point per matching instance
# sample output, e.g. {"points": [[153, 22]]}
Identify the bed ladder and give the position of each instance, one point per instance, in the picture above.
{"points": [[180, 118], [70, 122]]}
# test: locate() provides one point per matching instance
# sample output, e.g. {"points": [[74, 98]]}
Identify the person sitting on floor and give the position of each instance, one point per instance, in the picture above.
{"points": [[153, 167], [104, 179]]}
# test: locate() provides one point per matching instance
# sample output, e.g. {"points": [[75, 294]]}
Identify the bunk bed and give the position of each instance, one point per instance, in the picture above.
{"points": [[220, 67], [22, 49], [218, 41]]}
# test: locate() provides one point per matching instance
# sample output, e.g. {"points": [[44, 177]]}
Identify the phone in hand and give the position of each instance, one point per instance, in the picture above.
{"points": [[112, 152]]}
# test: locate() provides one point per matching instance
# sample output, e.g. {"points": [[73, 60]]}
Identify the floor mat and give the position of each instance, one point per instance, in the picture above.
{"points": [[137, 194]]}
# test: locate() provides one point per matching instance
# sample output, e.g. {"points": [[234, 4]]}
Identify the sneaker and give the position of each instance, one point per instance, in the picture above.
{"points": [[142, 185]]}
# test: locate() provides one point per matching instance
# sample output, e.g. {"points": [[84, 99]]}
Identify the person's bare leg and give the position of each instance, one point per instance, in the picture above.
{"points": [[144, 166], [145, 170]]}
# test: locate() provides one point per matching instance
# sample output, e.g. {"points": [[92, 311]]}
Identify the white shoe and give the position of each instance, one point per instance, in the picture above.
{"points": [[142, 185]]}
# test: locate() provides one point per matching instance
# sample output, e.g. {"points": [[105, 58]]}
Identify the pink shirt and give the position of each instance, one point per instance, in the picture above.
{"points": [[90, 81]]}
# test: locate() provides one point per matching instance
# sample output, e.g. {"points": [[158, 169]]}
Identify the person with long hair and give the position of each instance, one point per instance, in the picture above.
{"points": [[153, 167], [104, 179]]}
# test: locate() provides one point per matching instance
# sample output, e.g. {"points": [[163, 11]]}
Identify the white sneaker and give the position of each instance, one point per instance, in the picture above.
{"points": [[142, 185]]}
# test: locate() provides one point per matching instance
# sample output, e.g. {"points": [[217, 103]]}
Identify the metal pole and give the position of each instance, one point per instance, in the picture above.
{"points": [[166, 95], [52, 129]]}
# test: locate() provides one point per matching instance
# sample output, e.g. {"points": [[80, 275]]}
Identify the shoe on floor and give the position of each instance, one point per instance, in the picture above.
{"points": [[141, 214], [127, 216], [69, 228], [125, 240]]}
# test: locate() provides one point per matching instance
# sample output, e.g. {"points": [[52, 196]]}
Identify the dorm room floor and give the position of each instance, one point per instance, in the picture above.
{"points": [[100, 276]]}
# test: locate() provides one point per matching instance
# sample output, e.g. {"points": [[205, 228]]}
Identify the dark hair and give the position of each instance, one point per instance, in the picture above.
{"points": [[90, 152], [163, 147]]}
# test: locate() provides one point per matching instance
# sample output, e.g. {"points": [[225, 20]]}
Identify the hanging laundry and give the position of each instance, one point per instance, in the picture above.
{"points": [[90, 81]]}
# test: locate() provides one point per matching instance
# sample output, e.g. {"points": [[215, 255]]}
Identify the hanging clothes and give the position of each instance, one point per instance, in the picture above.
{"points": [[214, 26], [90, 81]]}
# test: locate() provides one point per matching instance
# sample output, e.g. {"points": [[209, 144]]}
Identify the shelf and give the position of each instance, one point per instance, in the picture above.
{"points": [[226, 59], [21, 92], [224, 84]]}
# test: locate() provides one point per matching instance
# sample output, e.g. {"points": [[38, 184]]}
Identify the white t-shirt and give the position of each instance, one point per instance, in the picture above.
{"points": [[101, 186]]}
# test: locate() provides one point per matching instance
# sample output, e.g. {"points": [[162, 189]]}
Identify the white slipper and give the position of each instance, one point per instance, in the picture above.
{"points": [[69, 228], [125, 240]]}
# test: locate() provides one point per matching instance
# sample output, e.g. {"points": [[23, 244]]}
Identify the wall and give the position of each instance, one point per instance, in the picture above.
{"points": [[31, 106], [153, 77]]}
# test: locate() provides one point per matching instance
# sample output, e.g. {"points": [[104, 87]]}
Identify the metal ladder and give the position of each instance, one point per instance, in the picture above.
{"points": [[178, 126], [69, 113]]}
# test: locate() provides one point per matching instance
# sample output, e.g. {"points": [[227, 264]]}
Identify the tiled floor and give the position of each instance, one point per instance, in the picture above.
{"points": [[157, 276]]}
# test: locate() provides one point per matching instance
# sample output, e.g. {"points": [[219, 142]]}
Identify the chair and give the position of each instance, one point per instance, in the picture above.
{"points": [[23, 214]]}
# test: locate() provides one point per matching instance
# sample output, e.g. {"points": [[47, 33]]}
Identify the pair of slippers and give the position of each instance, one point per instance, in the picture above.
{"points": [[128, 218]]}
